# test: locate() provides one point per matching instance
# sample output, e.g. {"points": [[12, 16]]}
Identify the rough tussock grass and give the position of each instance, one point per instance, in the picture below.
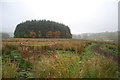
{"points": [[63, 66], [66, 64], [71, 65], [9, 70], [95, 65]]}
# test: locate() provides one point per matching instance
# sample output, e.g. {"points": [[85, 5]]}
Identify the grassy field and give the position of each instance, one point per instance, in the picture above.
{"points": [[112, 48], [60, 58]]}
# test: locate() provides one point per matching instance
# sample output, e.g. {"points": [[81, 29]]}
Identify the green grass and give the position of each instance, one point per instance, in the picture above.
{"points": [[0, 66], [110, 48], [97, 66], [9, 70], [68, 64], [65, 52], [62, 66], [65, 64], [11, 63]]}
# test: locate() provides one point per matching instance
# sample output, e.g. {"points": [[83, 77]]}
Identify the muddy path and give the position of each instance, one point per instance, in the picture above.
{"points": [[113, 56]]}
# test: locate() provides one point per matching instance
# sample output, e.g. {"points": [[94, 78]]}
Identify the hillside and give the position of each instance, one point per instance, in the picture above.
{"points": [[4, 35], [103, 36]]}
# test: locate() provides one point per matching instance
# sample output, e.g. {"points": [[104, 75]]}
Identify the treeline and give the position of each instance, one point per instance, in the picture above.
{"points": [[103, 36], [42, 29]]}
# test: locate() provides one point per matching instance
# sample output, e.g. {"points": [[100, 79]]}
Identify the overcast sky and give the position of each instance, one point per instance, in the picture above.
{"points": [[80, 15]]}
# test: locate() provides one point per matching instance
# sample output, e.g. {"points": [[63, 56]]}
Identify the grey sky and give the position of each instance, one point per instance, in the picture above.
{"points": [[80, 15]]}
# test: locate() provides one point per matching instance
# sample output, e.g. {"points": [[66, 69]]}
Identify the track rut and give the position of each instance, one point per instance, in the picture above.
{"points": [[113, 56]]}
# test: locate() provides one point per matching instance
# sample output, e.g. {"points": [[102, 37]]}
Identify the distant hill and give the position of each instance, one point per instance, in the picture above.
{"points": [[103, 36], [4, 35]]}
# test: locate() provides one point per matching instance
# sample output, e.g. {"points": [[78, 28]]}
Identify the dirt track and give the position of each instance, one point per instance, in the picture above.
{"points": [[113, 56]]}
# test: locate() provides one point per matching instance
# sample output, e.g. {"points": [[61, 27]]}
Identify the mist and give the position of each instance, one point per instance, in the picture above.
{"points": [[82, 16]]}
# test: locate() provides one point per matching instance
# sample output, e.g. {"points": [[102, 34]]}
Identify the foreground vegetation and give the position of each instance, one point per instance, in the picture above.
{"points": [[71, 65], [73, 59], [112, 48]]}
